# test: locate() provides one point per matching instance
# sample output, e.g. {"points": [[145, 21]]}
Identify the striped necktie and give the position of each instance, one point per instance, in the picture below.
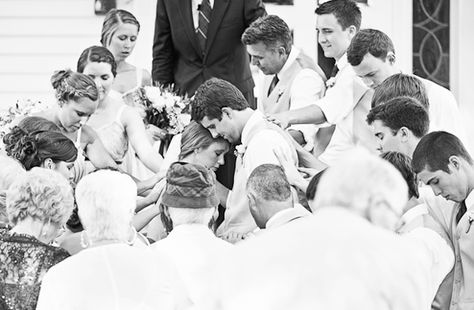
{"points": [[204, 19]]}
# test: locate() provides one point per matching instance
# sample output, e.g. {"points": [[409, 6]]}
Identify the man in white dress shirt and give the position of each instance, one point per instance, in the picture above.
{"points": [[221, 108], [292, 79], [399, 124], [345, 256], [442, 162], [271, 199], [372, 56], [190, 201], [337, 23]]}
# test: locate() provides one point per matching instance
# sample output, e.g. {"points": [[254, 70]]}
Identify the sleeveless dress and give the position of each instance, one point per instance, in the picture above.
{"points": [[81, 166], [131, 163], [114, 137]]}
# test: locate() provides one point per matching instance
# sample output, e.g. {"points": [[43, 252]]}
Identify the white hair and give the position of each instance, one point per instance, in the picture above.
{"points": [[106, 202], [40, 194], [181, 216], [357, 180]]}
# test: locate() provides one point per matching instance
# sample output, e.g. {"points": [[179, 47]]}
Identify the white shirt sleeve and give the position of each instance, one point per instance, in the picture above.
{"points": [[263, 146], [307, 87], [339, 100], [437, 254]]}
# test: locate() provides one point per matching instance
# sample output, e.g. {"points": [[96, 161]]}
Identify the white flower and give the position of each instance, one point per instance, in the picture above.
{"points": [[240, 150], [330, 83]]}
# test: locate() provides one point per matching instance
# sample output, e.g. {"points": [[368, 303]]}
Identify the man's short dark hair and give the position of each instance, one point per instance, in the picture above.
{"points": [[271, 30], [403, 164], [399, 85], [269, 182], [313, 185], [401, 112], [212, 96], [434, 150], [346, 12], [369, 41]]}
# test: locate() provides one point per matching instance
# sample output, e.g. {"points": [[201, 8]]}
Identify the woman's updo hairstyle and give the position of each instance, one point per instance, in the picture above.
{"points": [[96, 54], [31, 149], [71, 85], [112, 20], [194, 137]]}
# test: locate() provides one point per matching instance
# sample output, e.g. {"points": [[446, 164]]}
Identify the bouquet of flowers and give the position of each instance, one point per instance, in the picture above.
{"points": [[21, 109], [163, 108]]}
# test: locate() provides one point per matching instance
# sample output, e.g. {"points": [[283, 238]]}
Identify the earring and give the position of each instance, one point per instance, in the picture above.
{"points": [[85, 243]]}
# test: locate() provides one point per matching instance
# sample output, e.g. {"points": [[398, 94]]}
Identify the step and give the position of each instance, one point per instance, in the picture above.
{"points": [[49, 8], [45, 64], [25, 82], [51, 26], [46, 45]]}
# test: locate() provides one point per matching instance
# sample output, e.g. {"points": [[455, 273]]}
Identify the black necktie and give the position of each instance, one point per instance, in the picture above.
{"points": [[204, 19], [462, 210], [334, 71], [274, 82]]}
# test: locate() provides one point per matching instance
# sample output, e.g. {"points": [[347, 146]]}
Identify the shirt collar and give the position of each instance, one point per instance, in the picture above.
{"points": [[198, 2], [287, 215], [253, 121], [470, 200], [342, 62], [291, 58], [193, 229]]}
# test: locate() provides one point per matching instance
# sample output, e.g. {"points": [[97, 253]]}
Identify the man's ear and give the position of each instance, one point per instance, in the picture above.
{"points": [[454, 162], [391, 58], [404, 133], [352, 30], [228, 112]]}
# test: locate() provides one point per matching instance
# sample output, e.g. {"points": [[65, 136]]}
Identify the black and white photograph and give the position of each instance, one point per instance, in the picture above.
{"points": [[236, 154]]}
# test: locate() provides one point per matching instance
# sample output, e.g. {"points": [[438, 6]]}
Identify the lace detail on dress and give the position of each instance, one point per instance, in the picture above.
{"points": [[24, 261]]}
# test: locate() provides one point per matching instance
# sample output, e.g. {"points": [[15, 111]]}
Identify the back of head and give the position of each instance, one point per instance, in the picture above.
{"points": [[403, 164], [70, 85], [35, 123], [96, 54], [41, 194], [434, 150], [271, 30], [401, 112], [106, 202], [195, 137], [31, 149], [212, 96], [268, 182], [313, 186], [360, 180], [369, 41], [399, 85], [346, 12], [190, 196], [113, 19]]}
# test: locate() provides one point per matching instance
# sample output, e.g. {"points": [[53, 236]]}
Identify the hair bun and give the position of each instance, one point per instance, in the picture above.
{"points": [[59, 76], [21, 146]]}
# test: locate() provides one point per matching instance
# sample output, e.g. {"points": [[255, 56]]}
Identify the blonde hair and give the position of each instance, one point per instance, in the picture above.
{"points": [[106, 202], [41, 194], [112, 20], [70, 85], [11, 170]]}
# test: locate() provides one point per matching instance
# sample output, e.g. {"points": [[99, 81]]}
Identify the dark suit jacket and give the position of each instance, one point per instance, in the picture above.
{"points": [[177, 57]]}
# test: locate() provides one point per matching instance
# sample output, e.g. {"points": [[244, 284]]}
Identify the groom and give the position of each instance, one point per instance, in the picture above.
{"points": [[222, 109]]}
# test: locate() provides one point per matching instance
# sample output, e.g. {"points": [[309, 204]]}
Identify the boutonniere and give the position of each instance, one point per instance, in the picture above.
{"points": [[330, 83], [239, 150]]}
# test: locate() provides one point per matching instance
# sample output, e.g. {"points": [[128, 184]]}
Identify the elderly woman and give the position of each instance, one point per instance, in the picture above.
{"points": [[11, 170], [38, 204], [109, 274]]}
